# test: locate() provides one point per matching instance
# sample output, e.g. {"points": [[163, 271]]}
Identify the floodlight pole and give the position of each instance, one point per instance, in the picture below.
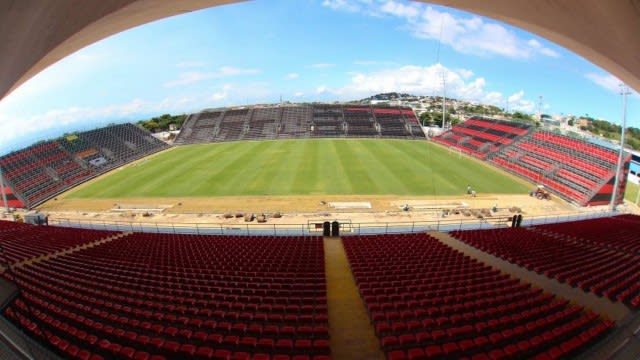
{"points": [[624, 91], [4, 196], [444, 96]]}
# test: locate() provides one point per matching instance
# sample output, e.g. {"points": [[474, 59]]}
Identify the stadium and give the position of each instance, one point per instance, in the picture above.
{"points": [[317, 231]]}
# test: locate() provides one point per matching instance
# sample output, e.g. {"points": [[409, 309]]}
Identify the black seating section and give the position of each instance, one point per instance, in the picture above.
{"points": [[575, 259], [359, 121], [299, 121], [44, 170], [199, 127], [24, 241], [328, 120], [412, 122], [264, 123], [232, 125], [428, 301], [295, 122], [159, 296], [392, 122], [480, 137]]}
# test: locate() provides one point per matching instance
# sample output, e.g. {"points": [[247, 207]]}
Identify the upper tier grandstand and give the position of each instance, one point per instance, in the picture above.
{"points": [[576, 170], [41, 171], [299, 121]]}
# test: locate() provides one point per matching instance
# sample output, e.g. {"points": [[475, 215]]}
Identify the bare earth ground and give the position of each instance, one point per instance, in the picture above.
{"points": [[297, 209]]}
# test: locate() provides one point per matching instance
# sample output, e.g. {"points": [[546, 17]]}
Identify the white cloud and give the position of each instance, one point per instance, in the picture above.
{"points": [[13, 127], [465, 73], [221, 95], [400, 9], [73, 68], [426, 80], [346, 5], [492, 97], [536, 45], [292, 76], [465, 34], [322, 66], [516, 97], [190, 77], [233, 71], [298, 94], [415, 79], [606, 81], [517, 102]]}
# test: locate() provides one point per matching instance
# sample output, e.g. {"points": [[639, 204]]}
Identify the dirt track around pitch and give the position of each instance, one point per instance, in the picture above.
{"points": [[296, 209]]}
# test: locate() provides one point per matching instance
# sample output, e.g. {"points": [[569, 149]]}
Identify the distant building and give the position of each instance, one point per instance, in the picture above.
{"points": [[582, 122]]}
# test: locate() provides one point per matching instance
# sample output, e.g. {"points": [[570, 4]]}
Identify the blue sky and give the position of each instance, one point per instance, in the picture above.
{"points": [[304, 50]]}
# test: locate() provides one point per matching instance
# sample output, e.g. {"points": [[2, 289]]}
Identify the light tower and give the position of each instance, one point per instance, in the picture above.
{"points": [[444, 100], [4, 196], [540, 108], [624, 91]]}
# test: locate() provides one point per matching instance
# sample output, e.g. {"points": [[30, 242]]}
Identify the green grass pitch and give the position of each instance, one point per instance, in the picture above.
{"points": [[632, 192], [303, 167]]}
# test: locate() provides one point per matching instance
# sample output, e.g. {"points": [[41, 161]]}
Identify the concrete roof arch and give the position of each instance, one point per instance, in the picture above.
{"points": [[35, 34]]}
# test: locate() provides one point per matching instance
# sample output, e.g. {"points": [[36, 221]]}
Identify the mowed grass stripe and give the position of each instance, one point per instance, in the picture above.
{"points": [[441, 167], [236, 176], [381, 170], [286, 161], [307, 178], [185, 174], [359, 176], [265, 167], [302, 167], [214, 171]]}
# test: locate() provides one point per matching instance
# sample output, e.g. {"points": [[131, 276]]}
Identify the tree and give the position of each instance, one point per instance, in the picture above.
{"points": [[522, 116], [426, 119], [570, 122], [162, 123]]}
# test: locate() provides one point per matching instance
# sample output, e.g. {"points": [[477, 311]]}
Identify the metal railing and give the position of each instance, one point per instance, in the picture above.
{"points": [[308, 228]]}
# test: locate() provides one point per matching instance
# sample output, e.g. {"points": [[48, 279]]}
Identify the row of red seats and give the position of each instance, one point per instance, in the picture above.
{"points": [[382, 111], [589, 267], [30, 151], [31, 181], [447, 142], [543, 165], [613, 232], [278, 302], [166, 295], [67, 167], [16, 172], [532, 175], [52, 157], [538, 177], [427, 314], [60, 331], [566, 189], [574, 144], [479, 134], [497, 126], [566, 158], [24, 241], [78, 178], [573, 177]]}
